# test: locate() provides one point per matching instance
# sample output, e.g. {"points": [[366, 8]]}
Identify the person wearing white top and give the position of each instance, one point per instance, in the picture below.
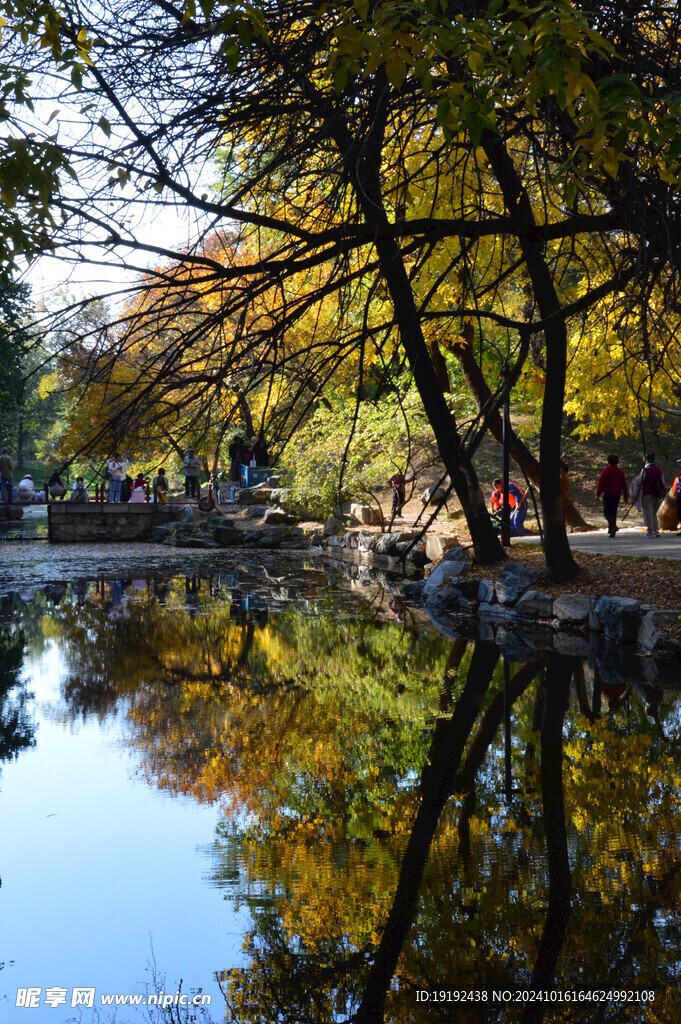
{"points": [[26, 488], [117, 468]]}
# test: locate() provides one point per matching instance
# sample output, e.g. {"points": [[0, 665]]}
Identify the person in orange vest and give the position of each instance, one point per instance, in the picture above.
{"points": [[676, 490], [517, 502]]}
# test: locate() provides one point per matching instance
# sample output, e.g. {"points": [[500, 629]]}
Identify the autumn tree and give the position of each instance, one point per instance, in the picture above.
{"points": [[438, 166]]}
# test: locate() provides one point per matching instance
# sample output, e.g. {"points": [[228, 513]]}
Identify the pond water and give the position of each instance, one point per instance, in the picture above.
{"points": [[277, 788]]}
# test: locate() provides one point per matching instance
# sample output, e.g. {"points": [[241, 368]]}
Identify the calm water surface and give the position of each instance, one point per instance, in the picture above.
{"points": [[279, 788]]}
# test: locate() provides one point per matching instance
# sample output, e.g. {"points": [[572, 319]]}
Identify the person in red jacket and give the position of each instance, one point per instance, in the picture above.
{"points": [[612, 486]]}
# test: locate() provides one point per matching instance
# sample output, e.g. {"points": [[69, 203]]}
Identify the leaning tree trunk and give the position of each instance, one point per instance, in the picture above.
{"points": [[520, 453], [559, 560], [362, 160]]}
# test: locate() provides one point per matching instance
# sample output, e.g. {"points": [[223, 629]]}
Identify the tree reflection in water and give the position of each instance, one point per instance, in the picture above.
{"points": [[382, 835]]}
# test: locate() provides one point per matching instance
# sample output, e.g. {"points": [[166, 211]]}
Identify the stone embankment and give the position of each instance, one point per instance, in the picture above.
{"points": [[514, 602]]}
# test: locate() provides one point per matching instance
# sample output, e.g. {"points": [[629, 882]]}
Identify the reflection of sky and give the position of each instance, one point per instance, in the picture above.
{"points": [[97, 866]]}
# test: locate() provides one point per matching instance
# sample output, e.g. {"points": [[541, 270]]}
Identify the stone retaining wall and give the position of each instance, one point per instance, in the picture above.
{"points": [[512, 601], [71, 523]]}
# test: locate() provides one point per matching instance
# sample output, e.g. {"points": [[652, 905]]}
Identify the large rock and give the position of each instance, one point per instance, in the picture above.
{"points": [[256, 511], [514, 581], [649, 632], [433, 495], [270, 539], [535, 605], [486, 592], [456, 553], [227, 536], [365, 514], [440, 577], [254, 495], [619, 618], [274, 481], [277, 517], [393, 543], [572, 608], [279, 495], [333, 527]]}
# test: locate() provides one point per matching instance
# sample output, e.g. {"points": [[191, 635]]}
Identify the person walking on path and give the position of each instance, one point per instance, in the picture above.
{"points": [[6, 476], [612, 486], [649, 489], [398, 484], [117, 472], [192, 465]]}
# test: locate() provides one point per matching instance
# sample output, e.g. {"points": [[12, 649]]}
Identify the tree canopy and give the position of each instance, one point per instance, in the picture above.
{"points": [[376, 189]]}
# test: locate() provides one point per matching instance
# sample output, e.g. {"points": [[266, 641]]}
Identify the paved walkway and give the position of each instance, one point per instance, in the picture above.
{"points": [[631, 543]]}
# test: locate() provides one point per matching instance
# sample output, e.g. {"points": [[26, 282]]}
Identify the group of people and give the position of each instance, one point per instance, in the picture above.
{"points": [[247, 453], [646, 492], [123, 487]]}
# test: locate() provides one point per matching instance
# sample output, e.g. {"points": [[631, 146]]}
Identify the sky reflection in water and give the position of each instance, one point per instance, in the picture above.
{"points": [[259, 758]]}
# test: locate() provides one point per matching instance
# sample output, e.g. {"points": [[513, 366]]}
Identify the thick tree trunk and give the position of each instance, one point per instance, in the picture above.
{"points": [[520, 453], [362, 163], [559, 560], [556, 693], [449, 740]]}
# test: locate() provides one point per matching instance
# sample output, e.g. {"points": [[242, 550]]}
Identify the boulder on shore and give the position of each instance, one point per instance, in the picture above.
{"points": [[254, 495], [277, 517], [367, 515], [433, 495], [514, 581]]}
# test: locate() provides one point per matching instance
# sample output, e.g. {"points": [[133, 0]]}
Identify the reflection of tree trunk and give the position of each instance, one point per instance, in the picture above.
{"points": [[556, 694], [520, 453], [456, 653], [484, 737], [580, 686], [246, 644], [437, 779]]}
